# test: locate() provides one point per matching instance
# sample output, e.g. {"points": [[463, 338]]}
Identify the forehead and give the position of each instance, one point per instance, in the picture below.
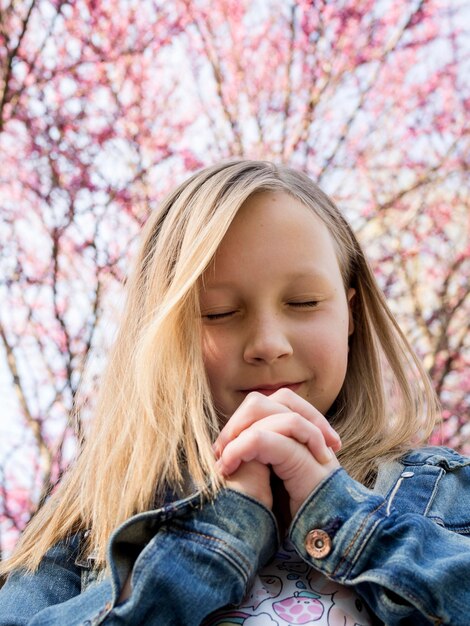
{"points": [[272, 233]]}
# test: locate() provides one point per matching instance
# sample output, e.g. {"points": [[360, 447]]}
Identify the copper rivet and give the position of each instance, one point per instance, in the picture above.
{"points": [[318, 543]]}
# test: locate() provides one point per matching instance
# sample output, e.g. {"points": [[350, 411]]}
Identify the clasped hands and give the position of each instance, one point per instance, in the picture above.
{"points": [[283, 432]]}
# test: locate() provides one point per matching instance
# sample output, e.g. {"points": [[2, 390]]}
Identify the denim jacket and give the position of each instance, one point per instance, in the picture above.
{"points": [[403, 545]]}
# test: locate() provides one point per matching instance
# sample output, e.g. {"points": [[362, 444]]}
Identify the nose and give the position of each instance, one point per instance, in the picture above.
{"points": [[267, 341]]}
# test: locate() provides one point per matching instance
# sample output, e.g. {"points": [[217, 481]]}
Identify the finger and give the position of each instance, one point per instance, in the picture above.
{"points": [[270, 448], [297, 404], [296, 427], [254, 407]]}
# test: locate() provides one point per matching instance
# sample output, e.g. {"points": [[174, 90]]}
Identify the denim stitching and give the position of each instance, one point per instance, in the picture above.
{"points": [[437, 621], [433, 493], [354, 539], [196, 536]]}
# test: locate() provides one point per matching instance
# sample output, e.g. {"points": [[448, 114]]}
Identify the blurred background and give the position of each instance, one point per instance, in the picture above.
{"points": [[105, 105]]}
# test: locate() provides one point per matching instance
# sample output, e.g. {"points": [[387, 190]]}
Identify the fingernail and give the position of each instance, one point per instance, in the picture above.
{"points": [[329, 454], [334, 433]]}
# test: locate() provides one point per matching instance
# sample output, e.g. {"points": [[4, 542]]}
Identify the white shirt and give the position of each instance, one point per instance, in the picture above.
{"points": [[289, 592]]}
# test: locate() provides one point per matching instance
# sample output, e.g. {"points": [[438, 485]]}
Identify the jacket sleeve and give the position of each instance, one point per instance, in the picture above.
{"points": [[199, 560], [409, 568], [57, 580], [186, 560]]}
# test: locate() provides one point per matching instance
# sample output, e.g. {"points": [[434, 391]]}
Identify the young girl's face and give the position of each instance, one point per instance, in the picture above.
{"points": [[274, 309]]}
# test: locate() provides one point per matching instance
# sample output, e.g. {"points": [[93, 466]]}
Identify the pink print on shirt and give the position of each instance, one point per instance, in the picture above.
{"points": [[301, 609], [288, 592]]}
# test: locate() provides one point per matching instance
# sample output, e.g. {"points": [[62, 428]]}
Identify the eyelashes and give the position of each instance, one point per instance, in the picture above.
{"points": [[218, 316], [212, 317], [310, 304]]}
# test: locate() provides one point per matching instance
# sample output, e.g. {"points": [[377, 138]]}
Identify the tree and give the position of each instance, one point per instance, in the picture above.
{"points": [[104, 106]]}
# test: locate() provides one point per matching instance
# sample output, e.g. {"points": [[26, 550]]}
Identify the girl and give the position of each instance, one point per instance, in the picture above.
{"points": [[251, 458]]}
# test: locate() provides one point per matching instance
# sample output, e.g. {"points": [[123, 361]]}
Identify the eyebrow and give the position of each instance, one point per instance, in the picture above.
{"points": [[291, 276]]}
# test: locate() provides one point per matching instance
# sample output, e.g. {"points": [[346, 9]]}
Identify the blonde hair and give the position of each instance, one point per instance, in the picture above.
{"points": [[155, 421]]}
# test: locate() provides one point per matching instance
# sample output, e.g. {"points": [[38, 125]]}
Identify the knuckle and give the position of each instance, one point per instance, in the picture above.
{"points": [[253, 398], [251, 442], [300, 422], [226, 434], [253, 436], [284, 393], [296, 420]]}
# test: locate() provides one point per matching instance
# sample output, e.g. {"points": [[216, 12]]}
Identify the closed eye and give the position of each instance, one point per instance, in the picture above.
{"points": [[311, 304], [217, 316]]}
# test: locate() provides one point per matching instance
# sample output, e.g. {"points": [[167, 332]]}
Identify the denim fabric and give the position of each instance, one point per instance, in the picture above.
{"points": [[404, 545], [408, 554]]}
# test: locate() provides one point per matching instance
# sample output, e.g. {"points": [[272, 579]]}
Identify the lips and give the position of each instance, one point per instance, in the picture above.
{"points": [[267, 390]]}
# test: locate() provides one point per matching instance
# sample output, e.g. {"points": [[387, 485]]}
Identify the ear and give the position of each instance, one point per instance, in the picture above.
{"points": [[350, 296]]}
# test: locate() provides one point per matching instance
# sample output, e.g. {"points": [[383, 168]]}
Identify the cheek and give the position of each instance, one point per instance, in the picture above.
{"points": [[219, 359], [326, 342], [217, 353]]}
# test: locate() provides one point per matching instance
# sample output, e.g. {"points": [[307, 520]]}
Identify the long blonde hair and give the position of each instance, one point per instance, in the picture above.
{"points": [[155, 421]]}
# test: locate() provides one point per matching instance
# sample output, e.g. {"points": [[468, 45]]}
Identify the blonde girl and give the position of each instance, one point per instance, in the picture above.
{"points": [[256, 454]]}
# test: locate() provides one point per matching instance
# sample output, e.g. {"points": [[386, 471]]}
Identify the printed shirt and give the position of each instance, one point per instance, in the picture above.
{"points": [[288, 591]]}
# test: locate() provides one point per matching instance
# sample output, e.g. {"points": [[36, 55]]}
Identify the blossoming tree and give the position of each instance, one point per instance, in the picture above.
{"points": [[104, 106]]}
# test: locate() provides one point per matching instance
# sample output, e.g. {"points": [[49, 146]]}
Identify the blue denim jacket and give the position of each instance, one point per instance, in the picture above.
{"points": [[404, 546]]}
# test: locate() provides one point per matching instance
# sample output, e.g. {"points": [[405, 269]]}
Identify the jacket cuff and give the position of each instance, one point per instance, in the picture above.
{"points": [[334, 524], [233, 524], [240, 521]]}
